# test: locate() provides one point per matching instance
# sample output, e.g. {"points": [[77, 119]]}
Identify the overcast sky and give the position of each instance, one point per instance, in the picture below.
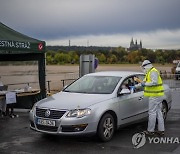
{"points": [[96, 22]]}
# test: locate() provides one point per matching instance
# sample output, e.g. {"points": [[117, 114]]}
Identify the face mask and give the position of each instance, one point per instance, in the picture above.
{"points": [[145, 70]]}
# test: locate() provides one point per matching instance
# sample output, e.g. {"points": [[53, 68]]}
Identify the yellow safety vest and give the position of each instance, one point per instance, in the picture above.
{"points": [[155, 90]]}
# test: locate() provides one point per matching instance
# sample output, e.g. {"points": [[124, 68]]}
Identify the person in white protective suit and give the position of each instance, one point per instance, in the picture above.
{"points": [[153, 88]]}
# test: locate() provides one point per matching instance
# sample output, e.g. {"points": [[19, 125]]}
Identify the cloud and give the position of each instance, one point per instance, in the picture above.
{"points": [[62, 19], [159, 39]]}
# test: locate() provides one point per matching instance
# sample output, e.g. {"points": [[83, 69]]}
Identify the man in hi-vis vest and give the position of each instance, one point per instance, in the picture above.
{"points": [[153, 88]]}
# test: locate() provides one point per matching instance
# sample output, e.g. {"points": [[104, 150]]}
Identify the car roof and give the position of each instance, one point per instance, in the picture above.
{"points": [[114, 73]]}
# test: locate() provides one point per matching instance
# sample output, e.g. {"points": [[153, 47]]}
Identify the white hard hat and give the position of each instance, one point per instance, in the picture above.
{"points": [[146, 63]]}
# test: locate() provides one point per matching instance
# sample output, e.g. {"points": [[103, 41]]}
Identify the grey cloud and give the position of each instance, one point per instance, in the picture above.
{"points": [[48, 19]]}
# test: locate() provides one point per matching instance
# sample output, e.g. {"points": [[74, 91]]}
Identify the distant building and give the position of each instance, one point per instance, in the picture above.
{"points": [[135, 45]]}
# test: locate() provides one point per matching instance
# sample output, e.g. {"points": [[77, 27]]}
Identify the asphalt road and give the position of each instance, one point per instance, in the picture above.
{"points": [[17, 138]]}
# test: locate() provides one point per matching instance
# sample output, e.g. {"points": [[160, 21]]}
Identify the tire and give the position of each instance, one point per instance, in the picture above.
{"points": [[106, 128], [164, 110]]}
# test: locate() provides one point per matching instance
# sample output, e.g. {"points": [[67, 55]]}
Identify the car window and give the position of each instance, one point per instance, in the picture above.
{"points": [[130, 82], [94, 85], [141, 78], [127, 83]]}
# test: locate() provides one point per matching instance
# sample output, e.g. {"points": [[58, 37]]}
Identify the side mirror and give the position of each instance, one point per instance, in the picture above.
{"points": [[124, 91]]}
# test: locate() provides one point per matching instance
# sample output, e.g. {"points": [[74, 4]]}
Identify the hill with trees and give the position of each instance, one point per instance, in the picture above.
{"points": [[108, 55]]}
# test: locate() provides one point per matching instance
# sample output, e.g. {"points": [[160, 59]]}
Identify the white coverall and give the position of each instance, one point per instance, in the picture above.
{"points": [[155, 105]]}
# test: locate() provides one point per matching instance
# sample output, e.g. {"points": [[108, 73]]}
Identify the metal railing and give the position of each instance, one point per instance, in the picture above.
{"points": [[171, 80], [56, 83], [67, 81], [69, 78], [28, 84]]}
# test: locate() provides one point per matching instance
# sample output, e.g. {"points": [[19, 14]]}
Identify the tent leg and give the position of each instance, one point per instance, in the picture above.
{"points": [[42, 75]]}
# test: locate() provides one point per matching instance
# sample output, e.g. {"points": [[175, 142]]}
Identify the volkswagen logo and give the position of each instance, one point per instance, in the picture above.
{"points": [[47, 113]]}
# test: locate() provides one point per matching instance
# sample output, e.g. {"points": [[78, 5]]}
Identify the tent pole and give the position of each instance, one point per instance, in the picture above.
{"points": [[42, 75]]}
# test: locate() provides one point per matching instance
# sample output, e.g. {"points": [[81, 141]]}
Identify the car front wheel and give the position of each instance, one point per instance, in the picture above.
{"points": [[106, 127]]}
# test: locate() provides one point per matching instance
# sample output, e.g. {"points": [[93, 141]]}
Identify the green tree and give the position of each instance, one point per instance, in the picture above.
{"points": [[101, 57], [134, 57], [49, 60], [112, 59], [74, 58]]}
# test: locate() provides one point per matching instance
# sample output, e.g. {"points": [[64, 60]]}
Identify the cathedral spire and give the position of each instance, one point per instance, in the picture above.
{"points": [[134, 45], [140, 44], [132, 42]]}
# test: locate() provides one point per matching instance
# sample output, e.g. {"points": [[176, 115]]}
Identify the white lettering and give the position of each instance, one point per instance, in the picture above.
{"points": [[15, 44], [12, 44], [28, 45], [25, 45], [22, 45], [163, 140], [150, 139], [170, 140], [176, 140], [1, 44], [9, 44], [156, 140]]}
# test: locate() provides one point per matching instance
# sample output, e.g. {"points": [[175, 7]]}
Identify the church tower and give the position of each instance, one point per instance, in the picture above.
{"points": [[131, 43], [140, 44], [135, 45]]}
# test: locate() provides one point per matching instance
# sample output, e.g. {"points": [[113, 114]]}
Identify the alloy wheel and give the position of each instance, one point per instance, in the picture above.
{"points": [[106, 127]]}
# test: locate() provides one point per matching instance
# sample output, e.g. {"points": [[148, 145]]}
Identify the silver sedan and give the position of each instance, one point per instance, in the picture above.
{"points": [[97, 103]]}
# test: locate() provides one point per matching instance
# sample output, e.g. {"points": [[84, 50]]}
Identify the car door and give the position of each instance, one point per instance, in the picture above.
{"points": [[132, 106]]}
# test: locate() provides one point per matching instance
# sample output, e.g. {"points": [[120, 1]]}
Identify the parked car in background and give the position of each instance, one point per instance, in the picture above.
{"points": [[177, 71], [97, 103]]}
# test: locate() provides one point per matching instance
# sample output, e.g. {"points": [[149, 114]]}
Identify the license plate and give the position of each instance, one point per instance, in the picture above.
{"points": [[45, 122]]}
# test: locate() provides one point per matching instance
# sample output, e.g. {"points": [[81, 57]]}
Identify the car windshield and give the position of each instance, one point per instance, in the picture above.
{"points": [[94, 85]]}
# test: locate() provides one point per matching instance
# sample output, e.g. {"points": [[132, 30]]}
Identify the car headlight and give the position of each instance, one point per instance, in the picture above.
{"points": [[79, 113]]}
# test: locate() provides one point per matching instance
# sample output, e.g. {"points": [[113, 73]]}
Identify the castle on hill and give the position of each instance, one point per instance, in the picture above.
{"points": [[134, 45]]}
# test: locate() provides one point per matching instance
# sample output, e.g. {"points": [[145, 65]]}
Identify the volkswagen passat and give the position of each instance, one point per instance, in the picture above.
{"points": [[95, 103]]}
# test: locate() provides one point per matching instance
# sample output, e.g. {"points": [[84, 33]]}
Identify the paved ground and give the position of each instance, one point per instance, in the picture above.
{"points": [[17, 138]]}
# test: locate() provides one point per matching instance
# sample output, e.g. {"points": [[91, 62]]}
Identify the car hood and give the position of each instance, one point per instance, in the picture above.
{"points": [[69, 101]]}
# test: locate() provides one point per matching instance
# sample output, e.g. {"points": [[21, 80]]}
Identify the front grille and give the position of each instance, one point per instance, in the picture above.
{"points": [[54, 114], [47, 128]]}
